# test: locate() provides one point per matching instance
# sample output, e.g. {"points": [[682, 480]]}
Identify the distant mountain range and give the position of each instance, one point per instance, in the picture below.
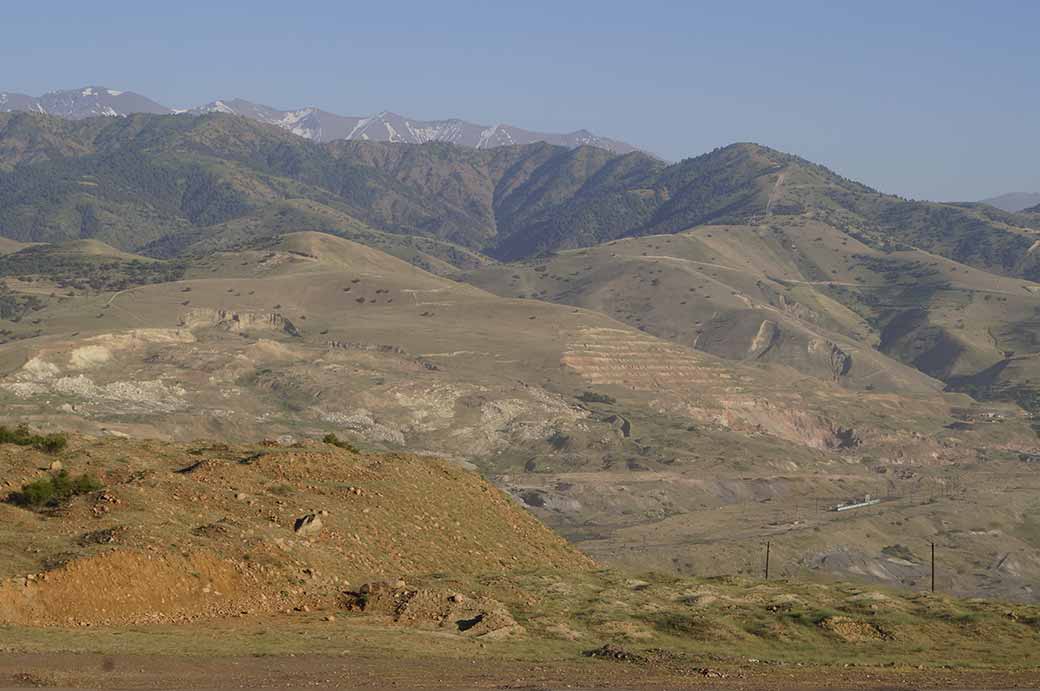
{"points": [[88, 102], [160, 184], [1015, 201], [310, 123]]}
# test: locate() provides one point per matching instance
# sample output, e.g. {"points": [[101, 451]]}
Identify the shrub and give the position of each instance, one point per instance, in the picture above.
{"points": [[558, 440], [51, 443], [22, 436], [593, 397], [684, 625], [331, 438], [899, 552], [281, 490], [54, 490]]}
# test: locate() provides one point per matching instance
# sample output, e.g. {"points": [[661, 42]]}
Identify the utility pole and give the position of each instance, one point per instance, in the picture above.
{"points": [[767, 560], [933, 567]]}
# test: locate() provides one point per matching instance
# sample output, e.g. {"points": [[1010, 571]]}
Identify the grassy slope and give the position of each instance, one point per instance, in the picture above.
{"points": [[752, 633], [499, 383], [8, 246], [445, 531], [172, 181], [714, 286], [298, 215], [716, 291]]}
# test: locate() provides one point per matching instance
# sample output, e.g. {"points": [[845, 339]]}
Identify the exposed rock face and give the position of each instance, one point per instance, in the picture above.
{"points": [[237, 322], [362, 423], [389, 584], [844, 438], [621, 424], [767, 336], [51, 372], [308, 526], [795, 309], [479, 617], [838, 360]]}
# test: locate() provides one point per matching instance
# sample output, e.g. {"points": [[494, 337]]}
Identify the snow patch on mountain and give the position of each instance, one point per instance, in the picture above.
{"points": [[359, 129], [221, 107], [310, 123]]}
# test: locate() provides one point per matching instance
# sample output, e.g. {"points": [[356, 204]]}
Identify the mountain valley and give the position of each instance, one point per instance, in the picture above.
{"points": [[670, 364]]}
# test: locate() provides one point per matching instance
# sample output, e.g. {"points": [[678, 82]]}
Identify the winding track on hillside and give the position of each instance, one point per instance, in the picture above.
{"points": [[799, 281]]}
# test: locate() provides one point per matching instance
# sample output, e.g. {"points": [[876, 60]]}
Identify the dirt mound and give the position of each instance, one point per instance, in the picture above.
{"points": [[480, 617], [292, 527], [853, 631], [613, 652], [129, 587]]}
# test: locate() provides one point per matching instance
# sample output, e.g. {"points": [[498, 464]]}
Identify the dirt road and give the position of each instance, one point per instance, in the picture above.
{"points": [[349, 670]]}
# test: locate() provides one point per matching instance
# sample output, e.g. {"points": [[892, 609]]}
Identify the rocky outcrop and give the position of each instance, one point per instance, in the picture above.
{"points": [[768, 334], [835, 359], [308, 526], [475, 616], [621, 424], [237, 322]]}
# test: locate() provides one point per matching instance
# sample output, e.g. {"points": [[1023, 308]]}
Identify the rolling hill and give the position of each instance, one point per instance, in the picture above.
{"points": [[1014, 201], [146, 179], [224, 553], [802, 292], [149, 179], [684, 356], [607, 432]]}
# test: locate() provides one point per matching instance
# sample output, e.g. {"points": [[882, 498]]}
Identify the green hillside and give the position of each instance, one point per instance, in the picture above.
{"points": [[166, 183]]}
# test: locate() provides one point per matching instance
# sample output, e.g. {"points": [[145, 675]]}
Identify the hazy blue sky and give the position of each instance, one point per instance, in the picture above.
{"points": [[928, 99]]}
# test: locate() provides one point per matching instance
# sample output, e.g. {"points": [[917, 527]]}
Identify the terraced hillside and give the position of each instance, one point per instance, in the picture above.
{"points": [[798, 291]]}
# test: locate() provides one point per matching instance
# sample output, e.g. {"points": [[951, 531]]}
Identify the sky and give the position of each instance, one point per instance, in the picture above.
{"points": [[929, 100]]}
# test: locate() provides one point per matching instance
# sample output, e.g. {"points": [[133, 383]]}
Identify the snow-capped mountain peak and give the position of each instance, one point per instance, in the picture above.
{"points": [[311, 123], [87, 102]]}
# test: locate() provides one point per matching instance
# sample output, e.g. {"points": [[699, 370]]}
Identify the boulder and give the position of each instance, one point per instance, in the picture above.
{"points": [[308, 525], [381, 586]]}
